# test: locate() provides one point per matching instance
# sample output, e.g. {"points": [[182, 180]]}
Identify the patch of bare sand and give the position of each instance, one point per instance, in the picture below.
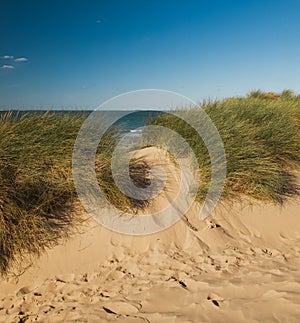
{"points": [[240, 264]]}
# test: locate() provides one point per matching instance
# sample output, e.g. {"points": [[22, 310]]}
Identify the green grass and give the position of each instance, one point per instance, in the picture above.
{"points": [[261, 135], [37, 194]]}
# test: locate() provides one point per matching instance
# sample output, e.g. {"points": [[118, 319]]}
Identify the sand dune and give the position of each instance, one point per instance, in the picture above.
{"points": [[240, 264]]}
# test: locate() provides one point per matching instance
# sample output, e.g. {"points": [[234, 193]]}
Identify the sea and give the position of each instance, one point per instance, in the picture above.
{"points": [[129, 124]]}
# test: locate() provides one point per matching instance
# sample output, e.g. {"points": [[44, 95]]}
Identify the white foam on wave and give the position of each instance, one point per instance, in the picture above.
{"points": [[136, 130]]}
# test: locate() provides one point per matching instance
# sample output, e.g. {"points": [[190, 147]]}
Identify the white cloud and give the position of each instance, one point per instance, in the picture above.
{"points": [[21, 59], [7, 57], [7, 67]]}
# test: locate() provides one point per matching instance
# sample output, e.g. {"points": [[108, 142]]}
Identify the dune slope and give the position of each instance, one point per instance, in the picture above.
{"points": [[240, 264]]}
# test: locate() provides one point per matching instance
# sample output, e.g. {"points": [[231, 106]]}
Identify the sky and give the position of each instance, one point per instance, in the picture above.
{"points": [[77, 54]]}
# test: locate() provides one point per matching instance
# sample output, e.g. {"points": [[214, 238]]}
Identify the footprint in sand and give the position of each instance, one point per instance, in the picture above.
{"points": [[215, 299]]}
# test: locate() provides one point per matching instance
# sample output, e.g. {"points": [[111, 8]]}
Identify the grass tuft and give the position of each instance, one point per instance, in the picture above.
{"points": [[261, 138], [37, 194]]}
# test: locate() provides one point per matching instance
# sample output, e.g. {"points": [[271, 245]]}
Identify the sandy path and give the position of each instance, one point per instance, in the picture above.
{"points": [[240, 264]]}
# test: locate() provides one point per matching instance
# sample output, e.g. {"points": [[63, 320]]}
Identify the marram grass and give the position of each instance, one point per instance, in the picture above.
{"points": [[37, 194], [261, 135]]}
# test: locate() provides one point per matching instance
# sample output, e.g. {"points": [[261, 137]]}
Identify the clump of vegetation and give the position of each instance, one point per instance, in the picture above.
{"points": [[37, 193], [35, 182], [261, 135]]}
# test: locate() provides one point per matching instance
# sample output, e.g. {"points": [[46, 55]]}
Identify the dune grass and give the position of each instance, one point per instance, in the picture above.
{"points": [[261, 135], [35, 183], [37, 194]]}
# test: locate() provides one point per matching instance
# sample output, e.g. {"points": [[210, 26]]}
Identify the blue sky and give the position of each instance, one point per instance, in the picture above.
{"points": [[76, 54]]}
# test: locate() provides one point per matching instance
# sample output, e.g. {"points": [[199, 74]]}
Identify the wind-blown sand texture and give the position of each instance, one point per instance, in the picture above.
{"points": [[240, 264]]}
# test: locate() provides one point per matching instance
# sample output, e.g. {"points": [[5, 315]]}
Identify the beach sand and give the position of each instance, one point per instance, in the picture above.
{"points": [[241, 264]]}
